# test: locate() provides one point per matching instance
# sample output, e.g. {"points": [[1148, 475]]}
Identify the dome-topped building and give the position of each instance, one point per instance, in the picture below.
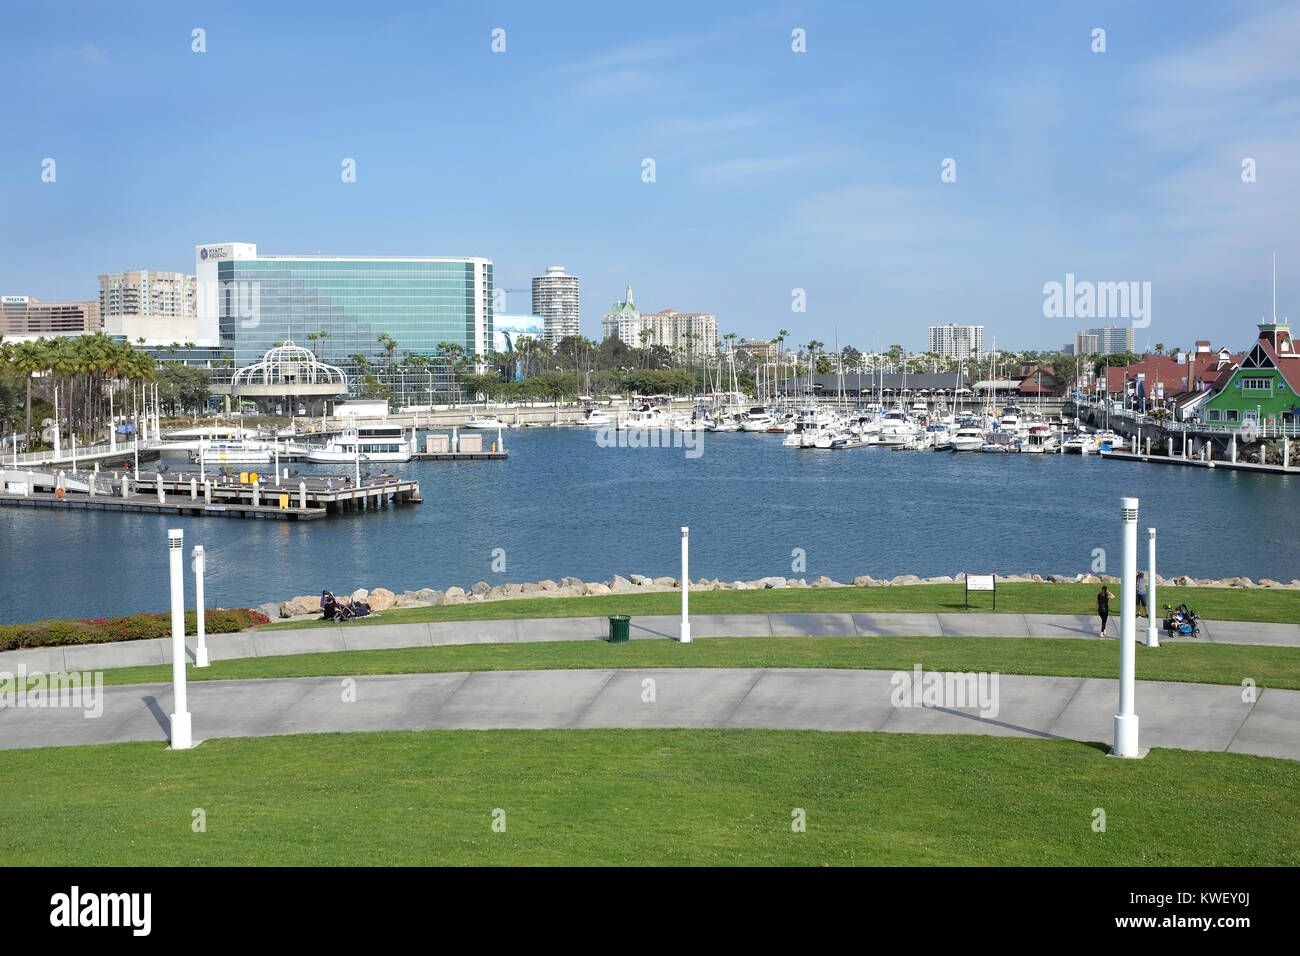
{"points": [[289, 374]]}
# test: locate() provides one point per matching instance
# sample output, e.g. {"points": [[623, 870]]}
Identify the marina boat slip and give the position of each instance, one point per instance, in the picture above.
{"points": [[368, 444]]}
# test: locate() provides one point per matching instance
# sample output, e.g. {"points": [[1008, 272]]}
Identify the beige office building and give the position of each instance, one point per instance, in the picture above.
{"points": [[22, 315]]}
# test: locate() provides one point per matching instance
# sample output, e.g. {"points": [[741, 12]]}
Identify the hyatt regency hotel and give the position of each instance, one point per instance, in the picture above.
{"points": [[249, 303]]}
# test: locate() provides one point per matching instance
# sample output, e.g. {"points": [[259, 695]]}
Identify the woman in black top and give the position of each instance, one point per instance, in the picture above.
{"points": [[1103, 606]]}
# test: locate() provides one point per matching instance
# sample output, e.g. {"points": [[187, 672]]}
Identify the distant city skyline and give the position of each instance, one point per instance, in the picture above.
{"points": [[695, 154]]}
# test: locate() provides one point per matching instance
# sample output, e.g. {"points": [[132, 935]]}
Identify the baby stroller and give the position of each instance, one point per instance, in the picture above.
{"points": [[350, 610], [1182, 620]]}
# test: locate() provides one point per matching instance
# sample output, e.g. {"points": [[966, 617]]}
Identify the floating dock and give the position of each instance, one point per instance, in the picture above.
{"points": [[1202, 462], [299, 498]]}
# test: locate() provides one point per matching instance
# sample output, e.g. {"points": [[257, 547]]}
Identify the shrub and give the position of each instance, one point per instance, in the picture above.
{"points": [[134, 627]]}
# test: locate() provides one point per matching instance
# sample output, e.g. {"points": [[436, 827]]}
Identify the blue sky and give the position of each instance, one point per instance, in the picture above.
{"points": [[775, 170]]}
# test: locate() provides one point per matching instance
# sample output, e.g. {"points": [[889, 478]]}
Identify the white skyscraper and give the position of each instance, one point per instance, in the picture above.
{"points": [[555, 299], [957, 341]]}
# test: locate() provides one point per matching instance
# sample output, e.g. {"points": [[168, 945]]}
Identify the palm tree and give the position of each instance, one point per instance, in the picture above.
{"points": [[28, 360]]}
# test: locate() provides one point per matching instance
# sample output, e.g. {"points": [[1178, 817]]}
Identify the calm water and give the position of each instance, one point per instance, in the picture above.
{"points": [[563, 506]]}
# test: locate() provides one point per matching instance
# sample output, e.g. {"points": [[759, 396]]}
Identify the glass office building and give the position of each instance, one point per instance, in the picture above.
{"points": [[341, 306]]}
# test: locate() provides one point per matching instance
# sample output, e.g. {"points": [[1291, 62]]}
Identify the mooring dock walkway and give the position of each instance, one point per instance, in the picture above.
{"points": [[363, 637], [1186, 716]]}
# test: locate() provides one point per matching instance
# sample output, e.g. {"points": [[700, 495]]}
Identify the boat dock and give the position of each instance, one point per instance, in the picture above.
{"points": [[1203, 462], [298, 498]]}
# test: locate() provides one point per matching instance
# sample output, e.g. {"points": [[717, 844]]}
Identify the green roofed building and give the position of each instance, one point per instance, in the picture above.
{"points": [[1262, 395]]}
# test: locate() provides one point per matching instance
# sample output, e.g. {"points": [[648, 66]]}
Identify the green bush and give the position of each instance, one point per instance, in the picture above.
{"points": [[135, 627]]}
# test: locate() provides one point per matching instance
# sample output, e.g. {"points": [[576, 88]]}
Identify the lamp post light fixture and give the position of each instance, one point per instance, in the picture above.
{"points": [[1126, 721], [201, 651], [684, 633], [181, 736]]}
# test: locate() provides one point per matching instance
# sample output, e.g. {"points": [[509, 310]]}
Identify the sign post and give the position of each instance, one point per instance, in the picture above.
{"points": [[982, 582]]}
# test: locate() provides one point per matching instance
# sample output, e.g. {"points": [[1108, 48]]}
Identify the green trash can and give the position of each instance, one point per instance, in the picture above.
{"points": [[620, 628]]}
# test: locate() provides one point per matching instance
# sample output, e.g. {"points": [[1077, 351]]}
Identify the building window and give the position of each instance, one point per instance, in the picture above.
{"points": [[1212, 415], [1230, 415], [1257, 384]]}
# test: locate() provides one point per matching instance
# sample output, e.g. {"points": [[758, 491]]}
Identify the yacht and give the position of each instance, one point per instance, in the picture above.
{"points": [[757, 419], [1011, 421], [896, 429], [1108, 440], [1080, 444], [645, 418], [594, 418], [485, 423], [1041, 440], [968, 438], [366, 444], [726, 423], [808, 426]]}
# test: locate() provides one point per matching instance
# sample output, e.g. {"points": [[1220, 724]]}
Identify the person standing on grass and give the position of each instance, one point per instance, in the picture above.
{"points": [[1103, 606], [1142, 592]]}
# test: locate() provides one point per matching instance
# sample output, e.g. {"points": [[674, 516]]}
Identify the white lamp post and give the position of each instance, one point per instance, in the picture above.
{"points": [[1126, 721], [57, 446], [201, 652], [181, 735], [684, 634], [112, 423], [1153, 636]]}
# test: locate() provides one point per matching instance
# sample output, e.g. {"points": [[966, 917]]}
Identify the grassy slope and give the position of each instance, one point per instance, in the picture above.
{"points": [[1225, 604], [1200, 663], [642, 798]]}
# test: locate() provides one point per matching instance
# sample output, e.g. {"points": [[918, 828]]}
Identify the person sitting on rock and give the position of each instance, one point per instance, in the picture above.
{"points": [[328, 605]]}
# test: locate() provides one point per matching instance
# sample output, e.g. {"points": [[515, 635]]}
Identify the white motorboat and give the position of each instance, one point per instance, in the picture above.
{"points": [[968, 438], [729, 423], [595, 419], [896, 430], [646, 417], [1080, 444], [486, 423], [809, 424], [1108, 440], [367, 444], [1040, 440], [757, 419]]}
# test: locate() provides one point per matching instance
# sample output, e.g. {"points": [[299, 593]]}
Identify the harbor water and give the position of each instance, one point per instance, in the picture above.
{"points": [[564, 505]]}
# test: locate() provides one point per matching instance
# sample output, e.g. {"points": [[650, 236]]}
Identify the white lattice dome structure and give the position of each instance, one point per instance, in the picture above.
{"points": [[289, 369]]}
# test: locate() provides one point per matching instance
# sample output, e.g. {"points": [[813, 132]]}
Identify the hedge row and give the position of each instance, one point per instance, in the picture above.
{"points": [[136, 627]]}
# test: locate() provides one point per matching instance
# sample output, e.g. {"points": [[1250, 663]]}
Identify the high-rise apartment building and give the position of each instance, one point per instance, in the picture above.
{"points": [[160, 307], [957, 341], [693, 333], [555, 299], [1105, 341]]}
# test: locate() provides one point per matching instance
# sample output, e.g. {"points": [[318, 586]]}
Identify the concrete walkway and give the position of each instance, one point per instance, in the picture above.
{"points": [[357, 637], [1188, 716]]}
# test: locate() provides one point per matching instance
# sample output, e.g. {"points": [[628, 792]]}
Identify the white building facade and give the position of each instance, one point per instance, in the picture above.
{"points": [[957, 341], [555, 299]]}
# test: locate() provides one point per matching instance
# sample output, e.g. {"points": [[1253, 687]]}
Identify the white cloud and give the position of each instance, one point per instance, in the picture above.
{"points": [[92, 53]]}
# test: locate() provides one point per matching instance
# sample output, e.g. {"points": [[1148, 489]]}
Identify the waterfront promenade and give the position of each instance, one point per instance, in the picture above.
{"points": [[369, 637], [1186, 716]]}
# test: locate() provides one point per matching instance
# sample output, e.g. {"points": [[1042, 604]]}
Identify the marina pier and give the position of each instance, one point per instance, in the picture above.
{"points": [[243, 495]]}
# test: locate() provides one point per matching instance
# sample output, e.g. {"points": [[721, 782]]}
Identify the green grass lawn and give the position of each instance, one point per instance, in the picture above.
{"points": [[1224, 604], [1198, 663], [642, 798]]}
